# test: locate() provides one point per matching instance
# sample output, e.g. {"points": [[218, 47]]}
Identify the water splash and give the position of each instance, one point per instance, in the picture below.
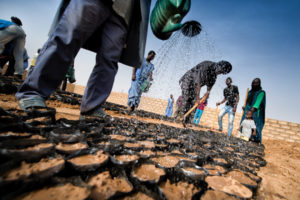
{"points": [[176, 56]]}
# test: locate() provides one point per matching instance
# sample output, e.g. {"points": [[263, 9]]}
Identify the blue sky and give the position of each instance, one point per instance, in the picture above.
{"points": [[259, 37]]}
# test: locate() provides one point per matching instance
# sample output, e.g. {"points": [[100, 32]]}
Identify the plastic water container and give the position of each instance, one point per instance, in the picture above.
{"points": [[167, 15]]}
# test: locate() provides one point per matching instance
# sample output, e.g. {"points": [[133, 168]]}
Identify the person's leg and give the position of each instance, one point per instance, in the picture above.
{"points": [[166, 111], [259, 127], [199, 117], [259, 135], [9, 34], [191, 98], [196, 116], [230, 120], [3, 61], [64, 84], [19, 44], [10, 68], [134, 94], [29, 70], [79, 21], [223, 111], [176, 114], [185, 93], [100, 83]]}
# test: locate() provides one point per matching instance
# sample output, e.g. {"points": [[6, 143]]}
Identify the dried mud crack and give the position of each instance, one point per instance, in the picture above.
{"points": [[119, 157]]}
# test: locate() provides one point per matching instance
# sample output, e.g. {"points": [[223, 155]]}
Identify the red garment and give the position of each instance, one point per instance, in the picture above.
{"points": [[179, 101], [202, 105]]}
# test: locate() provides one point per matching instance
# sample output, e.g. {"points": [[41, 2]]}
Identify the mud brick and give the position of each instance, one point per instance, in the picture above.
{"points": [[272, 128], [275, 125], [272, 120], [269, 136], [285, 127], [285, 135], [280, 138], [283, 122], [290, 140], [276, 133], [290, 132], [295, 128], [295, 137], [267, 129], [292, 124], [267, 132]]}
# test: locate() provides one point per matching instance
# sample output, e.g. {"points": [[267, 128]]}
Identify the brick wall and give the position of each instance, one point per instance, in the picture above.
{"points": [[273, 129]]}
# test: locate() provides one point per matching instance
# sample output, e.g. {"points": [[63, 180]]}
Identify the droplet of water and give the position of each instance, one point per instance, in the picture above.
{"points": [[176, 56]]}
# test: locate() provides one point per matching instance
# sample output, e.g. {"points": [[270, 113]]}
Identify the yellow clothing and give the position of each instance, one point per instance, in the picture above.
{"points": [[34, 59], [244, 138]]}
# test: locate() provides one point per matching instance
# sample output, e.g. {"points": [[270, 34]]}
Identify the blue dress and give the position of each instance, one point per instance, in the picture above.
{"points": [[169, 109], [135, 92]]}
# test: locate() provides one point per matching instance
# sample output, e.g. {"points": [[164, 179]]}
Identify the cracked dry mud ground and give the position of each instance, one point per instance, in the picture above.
{"points": [[280, 177]]}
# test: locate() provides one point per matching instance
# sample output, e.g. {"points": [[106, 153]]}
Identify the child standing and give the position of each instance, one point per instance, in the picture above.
{"points": [[199, 111], [169, 109], [247, 126]]}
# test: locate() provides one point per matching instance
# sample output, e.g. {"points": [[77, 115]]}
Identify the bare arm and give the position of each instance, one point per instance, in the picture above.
{"points": [[240, 127], [254, 132], [236, 103], [198, 92], [133, 74], [207, 92], [208, 89], [221, 102]]}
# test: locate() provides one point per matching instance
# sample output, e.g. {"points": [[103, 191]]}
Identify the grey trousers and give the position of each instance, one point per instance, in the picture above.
{"points": [[79, 21]]}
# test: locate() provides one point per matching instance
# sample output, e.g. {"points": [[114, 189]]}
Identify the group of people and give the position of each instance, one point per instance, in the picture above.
{"points": [[12, 43], [253, 118], [205, 74], [116, 31]]}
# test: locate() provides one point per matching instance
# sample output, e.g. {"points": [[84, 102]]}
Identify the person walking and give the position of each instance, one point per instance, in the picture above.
{"points": [[138, 77], [115, 30], [231, 97]]}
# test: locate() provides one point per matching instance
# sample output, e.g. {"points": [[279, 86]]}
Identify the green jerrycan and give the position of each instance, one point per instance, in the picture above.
{"points": [[166, 17]]}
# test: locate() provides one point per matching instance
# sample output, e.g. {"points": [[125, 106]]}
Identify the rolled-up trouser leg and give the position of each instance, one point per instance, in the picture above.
{"points": [[113, 37], [79, 21]]}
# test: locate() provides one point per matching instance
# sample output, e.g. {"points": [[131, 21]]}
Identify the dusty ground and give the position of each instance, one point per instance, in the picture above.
{"points": [[280, 177]]}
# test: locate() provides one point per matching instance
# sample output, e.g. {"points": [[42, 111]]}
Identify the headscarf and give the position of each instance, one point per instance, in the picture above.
{"points": [[253, 90]]}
